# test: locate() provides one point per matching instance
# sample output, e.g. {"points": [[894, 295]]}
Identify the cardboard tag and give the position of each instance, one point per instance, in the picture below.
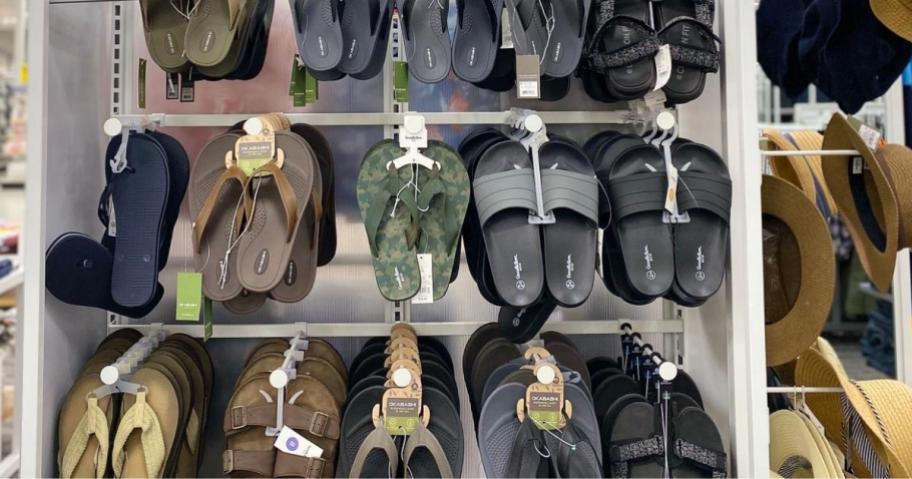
{"points": [[506, 30], [400, 82], [189, 296], [544, 406], [426, 269], [528, 77], [187, 87], [290, 442], [141, 94], [254, 151], [172, 86], [401, 410], [403, 354], [112, 217], [662, 66]]}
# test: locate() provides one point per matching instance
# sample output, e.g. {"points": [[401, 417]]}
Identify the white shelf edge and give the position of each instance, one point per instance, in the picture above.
{"points": [[12, 280]]}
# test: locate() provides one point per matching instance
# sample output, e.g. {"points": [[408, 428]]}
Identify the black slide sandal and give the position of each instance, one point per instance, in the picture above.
{"points": [[623, 47], [635, 449], [439, 449], [567, 39], [504, 194], [477, 38], [365, 48], [570, 191], [701, 246], [318, 34], [520, 325], [698, 445], [687, 27], [427, 39]]}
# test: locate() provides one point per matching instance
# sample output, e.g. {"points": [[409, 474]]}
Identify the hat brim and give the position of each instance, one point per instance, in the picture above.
{"points": [[790, 439], [895, 15], [794, 169]]}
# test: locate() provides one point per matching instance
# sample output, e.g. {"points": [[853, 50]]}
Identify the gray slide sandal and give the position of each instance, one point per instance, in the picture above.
{"points": [[427, 39]]}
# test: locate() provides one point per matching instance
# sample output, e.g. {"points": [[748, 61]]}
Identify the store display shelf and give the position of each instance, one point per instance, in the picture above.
{"points": [[353, 330], [12, 280]]}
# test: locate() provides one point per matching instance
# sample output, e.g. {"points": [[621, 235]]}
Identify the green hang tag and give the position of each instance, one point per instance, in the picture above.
{"points": [[298, 88], [189, 296], [141, 96], [545, 409], [400, 82], [311, 88], [294, 74], [207, 319], [402, 415]]}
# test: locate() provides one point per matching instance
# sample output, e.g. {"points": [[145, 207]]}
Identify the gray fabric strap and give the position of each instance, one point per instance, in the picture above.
{"points": [[572, 191], [504, 190], [605, 11], [377, 439], [694, 57], [422, 437], [621, 454], [715, 461], [599, 60], [706, 10]]}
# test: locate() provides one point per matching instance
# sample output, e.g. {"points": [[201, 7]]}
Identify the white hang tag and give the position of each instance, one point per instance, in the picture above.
{"points": [[506, 30], [671, 194], [858, 165], [662, 66], [293, 443], [528, 76], [426, 270], [870, 136], [112, 217], [655, 100]]}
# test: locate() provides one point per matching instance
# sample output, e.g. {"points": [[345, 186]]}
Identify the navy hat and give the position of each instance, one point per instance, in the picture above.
{"points": [[839, 45]]}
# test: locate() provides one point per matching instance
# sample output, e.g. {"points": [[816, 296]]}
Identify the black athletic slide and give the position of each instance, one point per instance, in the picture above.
{"points": [[687, 27], [477, 38], [697, 445], [504, 194], [365, 34], [567, 38], [571, 192], [427, 39], [520, 325], [319, 36], [636, 449], [701, 246], [621, 52]]}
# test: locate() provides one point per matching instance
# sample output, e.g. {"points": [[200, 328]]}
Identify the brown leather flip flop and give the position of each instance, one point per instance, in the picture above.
{"points": [[312, 412], [188, 460], [219, 204], [249, 451], [246, 302], [282, 198], [167, 364], [83, 429]]}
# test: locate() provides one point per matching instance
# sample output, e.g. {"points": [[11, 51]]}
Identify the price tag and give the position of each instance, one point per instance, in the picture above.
{"points": [[290, 442], [871, 137], [187, 87], [545, 409], [189, 296], [426, 269], [662, 66], [528, 77], [402, 410], [400, 82], [858, 165]]}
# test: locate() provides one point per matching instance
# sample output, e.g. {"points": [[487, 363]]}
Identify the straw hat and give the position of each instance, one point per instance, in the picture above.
{"points": [[794, 169], [866, 199], [792, 448], [881, 405], [895, 15], [799, 274], [812, 140]]}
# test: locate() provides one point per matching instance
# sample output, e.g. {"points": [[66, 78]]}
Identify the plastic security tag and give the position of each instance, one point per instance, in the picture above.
{"points": [[426, 269], [400, 82], [506, 30], [141, 95], [662, 66], [189, 296], [290, 442], [172, 86], [528, 77]]}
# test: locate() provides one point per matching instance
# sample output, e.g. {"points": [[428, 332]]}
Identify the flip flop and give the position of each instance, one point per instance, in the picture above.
{"points": [[246, 38], [169, 365], [249, 452], [567, 39], [504, 195], [494, 354], [684, 383], [687, 27], [503, 76], [600, 363], [698, 443], [165, 29], [520, 325], [312, 412], [611, 390], [499, 439], [246, 302], [219, 203], [214, 29], [427, 39], [365, 451], [431, 368], [253, 57], [701, 246], [318, 33], [391, 225], [189, 457], [368, 382], [316, 140], [438, 449], [579, 452], [478, 340], [84, 429], [601, 375], [365, 48], [79, 271], [571, 192], [529, 26], [477, 38], [635, 449], [283, 199]]}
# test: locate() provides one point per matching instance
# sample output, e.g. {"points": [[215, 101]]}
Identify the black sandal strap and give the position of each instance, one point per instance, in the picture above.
{"points": [[600, 61], [621, 454], [706, 192], [639, 193], [705, 59], [702, 457]]}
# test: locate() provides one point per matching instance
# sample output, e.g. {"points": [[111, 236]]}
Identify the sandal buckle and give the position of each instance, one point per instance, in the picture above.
{"points": [[318, 423], [316, 467], [238, 417], [228, 461]]}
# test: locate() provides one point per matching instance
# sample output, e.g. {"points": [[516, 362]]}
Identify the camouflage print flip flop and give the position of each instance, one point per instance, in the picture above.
{"points": [[445, 194], [392, 226]]}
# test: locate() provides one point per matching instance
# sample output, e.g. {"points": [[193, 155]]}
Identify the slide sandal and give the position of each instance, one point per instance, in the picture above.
{"points": [[645, 248], [318, 33], [571, 192], [320, 146], [621, 51], [607, 421], [567, 39], [214, 30], [611, 390], [282, 202], [698, 443], [477, 38], [365, 48], [365, 451], [504, 195], [312, 412], [249, 452], [219, 203], [635, 450], [165, 28], [79, 273], [701, 246], [520, 325], [391, 225], [687, 27], [498, 430], [427, 39], [140, 198], [438, 449]]}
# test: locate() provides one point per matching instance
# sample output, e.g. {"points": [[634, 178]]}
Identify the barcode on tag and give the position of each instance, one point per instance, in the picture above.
{"points": [[426, 269], [870, 136], [857, 165], [528, 89], [662, 66]]}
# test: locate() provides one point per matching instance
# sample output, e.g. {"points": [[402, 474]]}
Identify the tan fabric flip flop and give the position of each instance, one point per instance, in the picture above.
{"points": [[246, 302], [83, 430], [312, 412], [249, 451], [282, 199]]}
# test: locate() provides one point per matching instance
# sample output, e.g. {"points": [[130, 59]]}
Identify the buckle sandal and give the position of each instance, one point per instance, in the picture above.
{"points": [[687, 27], [311, 411], [634, 446], [251, 409]]}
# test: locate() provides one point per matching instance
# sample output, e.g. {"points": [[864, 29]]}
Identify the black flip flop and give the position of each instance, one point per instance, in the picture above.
{"points": [[478, 340], [504, 194], [254, 56], [701, 246], [611, 389], [554, 89], [570, 191], [319, 35], [567, 39], [503, 76], [494, 354], [578, 451], [365, 34], [684, 383], [427, 39], [365, 383], [438, 450], [433, 368], [687, 27], [316, 140], [520, 325], [568, 357], [477, 39], [497, 377]]}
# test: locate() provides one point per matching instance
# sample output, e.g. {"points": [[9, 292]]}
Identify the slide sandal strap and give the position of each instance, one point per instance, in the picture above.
{"points": [[704, 59], [600, 61], [286, 193], [605, 10], [291, 465], [422, 437], [637, 194], [562, 189], [377, 439], [240, 417], [705, 458], [705, 191], [622, 453], [140, 416], [316, 423], [257, 462], [376, 212], [93, 423], [513, 189], [205, 213]]}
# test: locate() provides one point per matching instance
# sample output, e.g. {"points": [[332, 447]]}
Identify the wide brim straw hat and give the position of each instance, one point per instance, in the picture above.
{"points": [[799, 270], [810, 140], [882, 406], [895, 15], [792, 447], [865, 198], [794, 169]]}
